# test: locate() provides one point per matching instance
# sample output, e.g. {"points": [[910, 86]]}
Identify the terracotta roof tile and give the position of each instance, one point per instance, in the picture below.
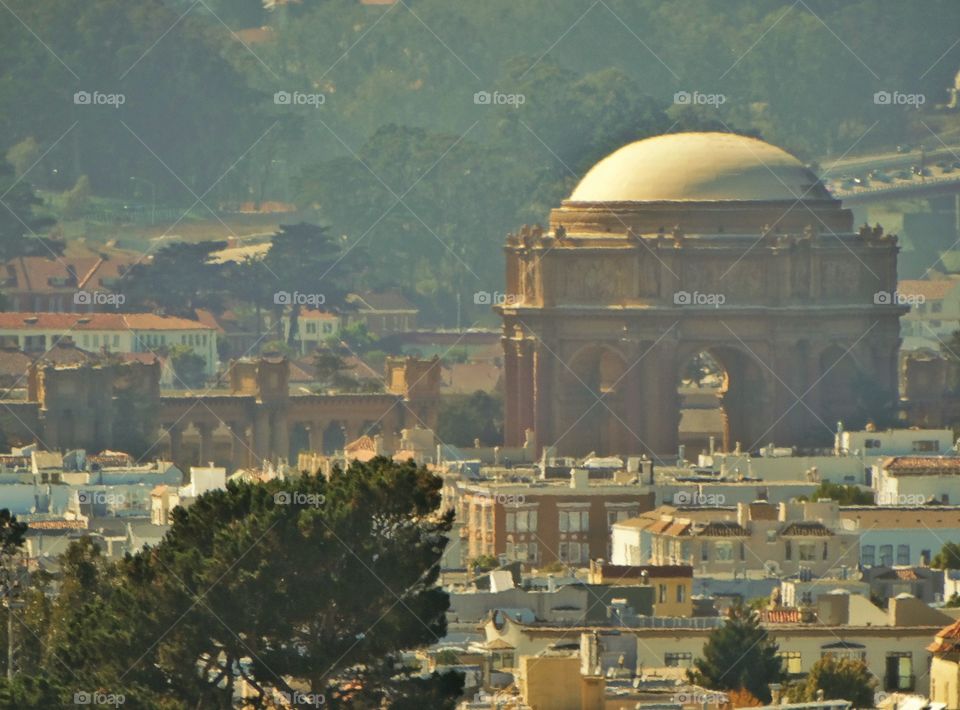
{"points": [[96, 321]]}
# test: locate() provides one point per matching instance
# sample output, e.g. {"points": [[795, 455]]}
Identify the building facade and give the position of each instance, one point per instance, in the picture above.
{"points": [[755, 538], [686, 244]]}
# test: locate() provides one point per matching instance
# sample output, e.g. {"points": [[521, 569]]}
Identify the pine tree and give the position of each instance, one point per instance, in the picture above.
{"points": [[739, 655]]}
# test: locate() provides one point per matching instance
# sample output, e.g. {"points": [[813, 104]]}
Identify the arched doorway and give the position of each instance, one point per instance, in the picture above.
{"points": [[723, 393]]}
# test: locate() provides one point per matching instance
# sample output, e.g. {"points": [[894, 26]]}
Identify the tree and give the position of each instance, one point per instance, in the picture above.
{"points": [[180, 278], [321, 581], [948, 557], [24, 155], [843, 679], [739, 655], [844, 495], [189, 368], [77, 198], [309, 267], [24, 231], [464, 418]]}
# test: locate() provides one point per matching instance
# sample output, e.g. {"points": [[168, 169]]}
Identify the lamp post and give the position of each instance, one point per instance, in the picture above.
{"points": [[153, 191]]}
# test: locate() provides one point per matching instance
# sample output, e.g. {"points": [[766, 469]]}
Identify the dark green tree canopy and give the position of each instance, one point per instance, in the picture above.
{"points": [[739, 655]]}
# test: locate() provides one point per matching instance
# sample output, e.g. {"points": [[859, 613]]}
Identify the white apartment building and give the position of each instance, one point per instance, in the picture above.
{"points": [[112, 332]]}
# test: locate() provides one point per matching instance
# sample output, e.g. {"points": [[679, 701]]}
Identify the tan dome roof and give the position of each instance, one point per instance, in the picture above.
{"points": [[698, 167]]}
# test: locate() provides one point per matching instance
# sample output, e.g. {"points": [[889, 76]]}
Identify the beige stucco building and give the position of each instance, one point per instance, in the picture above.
{"points": [[753, 538]]}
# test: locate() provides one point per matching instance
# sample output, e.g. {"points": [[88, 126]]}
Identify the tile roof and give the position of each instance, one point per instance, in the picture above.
{"points": [[39, 274], [96, 321], [722, 528], [921, 465], [931, 289], [947, 639], [806, 527], [780, 616]]}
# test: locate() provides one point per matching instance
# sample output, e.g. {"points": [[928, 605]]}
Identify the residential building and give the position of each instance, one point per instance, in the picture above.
{"points": [[62, 284], [915, 480], [901, 535], [113, 332], [896, 651], [923, 583], [756, 538], [945, 667], [934, 312], [849, 463], [382, 312], [313, 328], [672, 585], [542, 521], [895, 442]]}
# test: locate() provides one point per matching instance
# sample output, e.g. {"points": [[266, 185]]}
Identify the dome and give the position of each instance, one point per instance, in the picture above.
{"points": [[696, 167]]}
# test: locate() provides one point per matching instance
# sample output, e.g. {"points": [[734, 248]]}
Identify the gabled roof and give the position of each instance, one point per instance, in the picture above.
{"points": [[41, 274]]}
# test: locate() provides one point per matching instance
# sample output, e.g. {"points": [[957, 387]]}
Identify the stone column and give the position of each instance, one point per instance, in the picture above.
{"points": [[206, 441], [239, 448], [175, 432], [280, 441], [512, 430], [261, 436]]}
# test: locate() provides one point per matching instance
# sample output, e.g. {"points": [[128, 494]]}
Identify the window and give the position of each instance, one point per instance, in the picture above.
{"points": [[792, 662], [807, 551], [886, 555], [871, 444], [926, 446], [572, 552], [328, 327], [526, 521], [510, 522], [788, 551], [311, 328], [675, 659], [662, 594], [681, 593], [903, 554], [743, 552], [574, 521], [705, 551], [899, 675]]}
